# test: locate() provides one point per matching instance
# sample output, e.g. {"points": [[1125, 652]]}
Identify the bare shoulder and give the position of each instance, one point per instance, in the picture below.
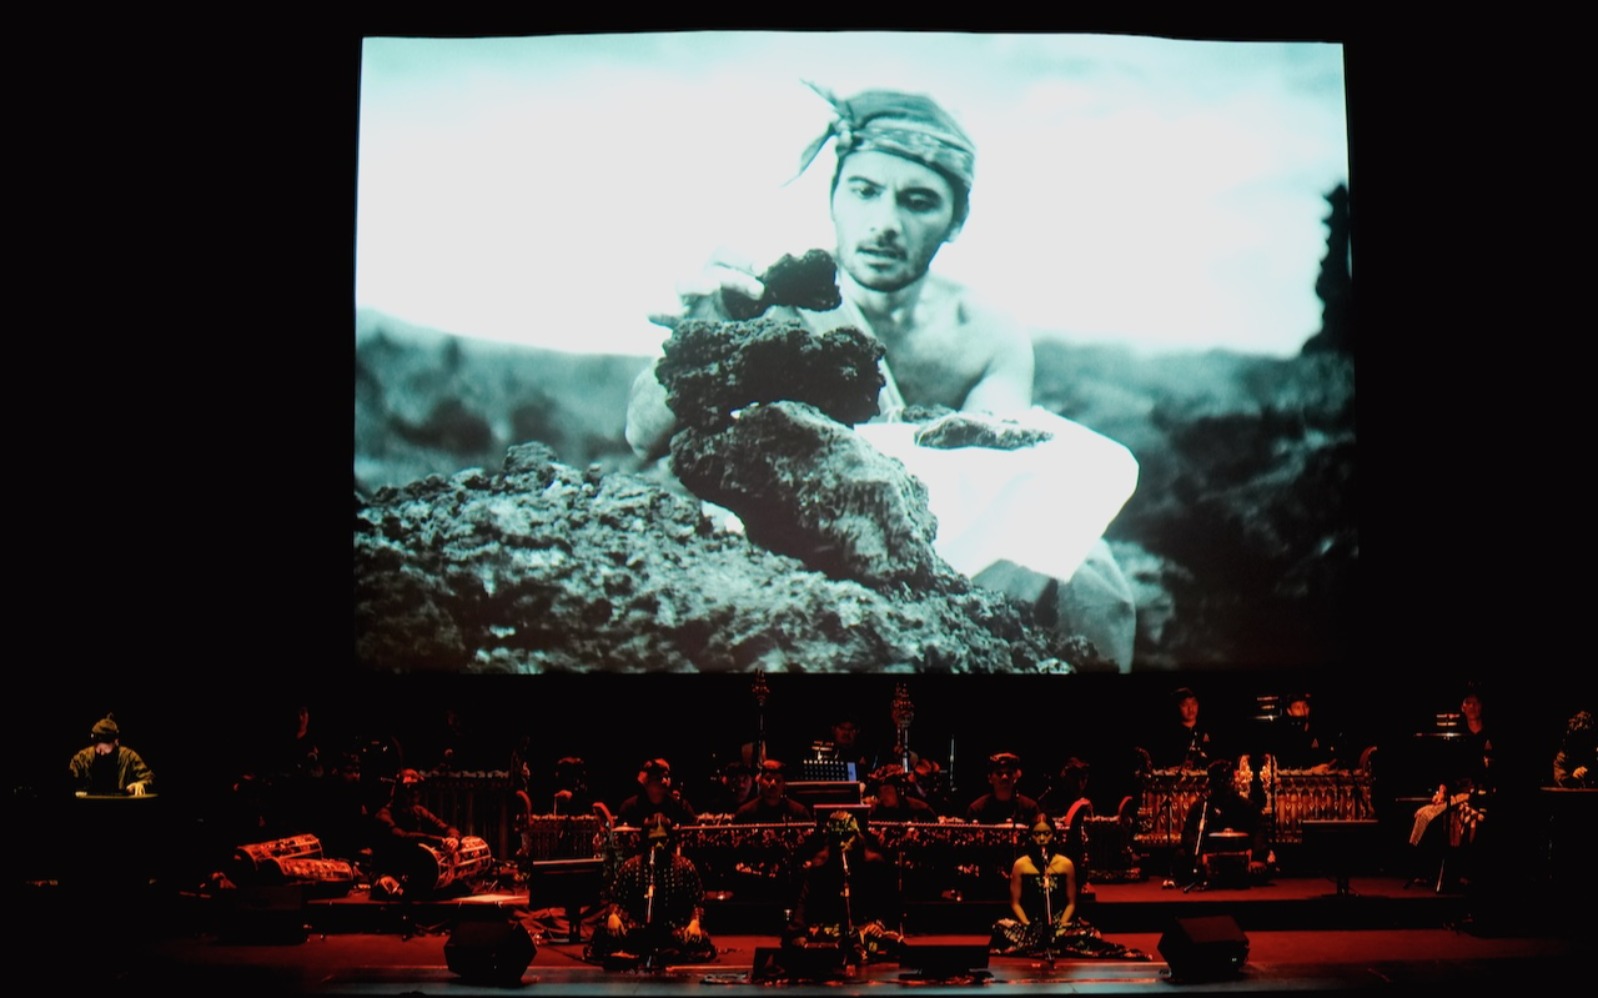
{"points": [[971, 310]]}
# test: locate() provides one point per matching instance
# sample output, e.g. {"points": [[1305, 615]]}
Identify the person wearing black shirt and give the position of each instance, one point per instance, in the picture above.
{"points": [[1183, 743], [848, 898], [772, 805], [1003, 804], [655, 905], [890, 785], [656, 796], [1226, 807]]}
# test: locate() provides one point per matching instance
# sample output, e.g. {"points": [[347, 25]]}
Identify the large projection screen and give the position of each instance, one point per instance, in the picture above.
{"points": [[1167, 218]]}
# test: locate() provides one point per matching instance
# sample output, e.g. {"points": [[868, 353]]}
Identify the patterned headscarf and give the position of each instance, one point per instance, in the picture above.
{"points": [[911, 126]]}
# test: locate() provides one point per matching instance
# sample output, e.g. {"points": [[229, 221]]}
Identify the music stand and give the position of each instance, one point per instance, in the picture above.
{"points": [[568, 883], [1333, 842]]}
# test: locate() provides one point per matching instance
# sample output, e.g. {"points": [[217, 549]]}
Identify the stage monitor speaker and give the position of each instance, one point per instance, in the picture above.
{"points": [[489, 951], [1204, 948], [943, 962], [810, 963]]}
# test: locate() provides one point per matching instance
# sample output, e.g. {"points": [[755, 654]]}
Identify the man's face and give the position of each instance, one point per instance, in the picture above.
{"points": [[844, 733], [657, 788], [104, 748], [1298, 708], [892, 215], [1189, 710], [771, 786], [1002, 778]]}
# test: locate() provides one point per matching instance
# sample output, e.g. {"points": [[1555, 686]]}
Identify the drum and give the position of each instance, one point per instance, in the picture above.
{"points": [[321, 871], [1226, 842], [471, 861]]}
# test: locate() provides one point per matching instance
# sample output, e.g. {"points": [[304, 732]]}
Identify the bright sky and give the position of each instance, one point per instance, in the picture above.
{"points": [[553, 190]]}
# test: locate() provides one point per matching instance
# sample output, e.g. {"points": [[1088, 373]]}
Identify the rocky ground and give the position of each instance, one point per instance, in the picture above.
{"points": [[474, 552]]}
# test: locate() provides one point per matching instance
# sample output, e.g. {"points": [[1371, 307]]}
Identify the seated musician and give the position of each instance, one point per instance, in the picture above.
{"points": [[732, 788], [409, 842], [654, 906], [848, 898], [1068, 799], [1043, 917], [772, 805], [1576, 762], [894, 803], [1465, 790], [107, 767], [656, 796], [1003, 804], [1225, 811]]}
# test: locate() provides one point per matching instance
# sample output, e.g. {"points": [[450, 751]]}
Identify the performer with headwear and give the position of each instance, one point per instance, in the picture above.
{"points": [[1043, 918], [1027, 521], [656, 794], [891, 786], [107, 766], [848, 897], [655, 905]]}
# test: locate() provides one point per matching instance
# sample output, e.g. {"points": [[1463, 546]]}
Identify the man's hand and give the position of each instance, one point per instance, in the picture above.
{"points": [[138, 788], [451, 844], [613, 923], [724, 289], [692, 932]]}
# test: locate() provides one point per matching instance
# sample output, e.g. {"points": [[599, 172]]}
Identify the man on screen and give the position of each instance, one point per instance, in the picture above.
{"points": [[900, 191]]}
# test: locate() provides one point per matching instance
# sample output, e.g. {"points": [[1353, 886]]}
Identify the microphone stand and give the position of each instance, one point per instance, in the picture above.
{"points": [[649, 913], [1198, 849], [1048, 910], [855, 955]]}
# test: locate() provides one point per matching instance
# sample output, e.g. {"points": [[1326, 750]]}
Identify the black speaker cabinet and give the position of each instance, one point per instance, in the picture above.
{"points": [[489, 951], [1204, 948]]}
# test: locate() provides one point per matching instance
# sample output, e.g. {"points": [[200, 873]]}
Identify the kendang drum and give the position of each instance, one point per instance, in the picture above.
{"points": [[471, 861]]}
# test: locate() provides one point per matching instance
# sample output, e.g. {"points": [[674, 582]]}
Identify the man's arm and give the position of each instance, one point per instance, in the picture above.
{"points": [[1006, 385], [138, 775], [650, 421]]}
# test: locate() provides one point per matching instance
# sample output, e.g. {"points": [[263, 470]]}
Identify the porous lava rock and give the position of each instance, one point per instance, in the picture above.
{"points": [[810, 487], [712, 369], [974, 430], [809, 281], [540, 567]]}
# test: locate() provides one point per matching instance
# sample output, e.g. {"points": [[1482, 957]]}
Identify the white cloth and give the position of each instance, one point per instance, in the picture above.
{"points": [[1043, 507]]}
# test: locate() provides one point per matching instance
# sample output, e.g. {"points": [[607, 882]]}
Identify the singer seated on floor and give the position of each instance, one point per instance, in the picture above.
{"points": [[1043, 903], [654, 907]]}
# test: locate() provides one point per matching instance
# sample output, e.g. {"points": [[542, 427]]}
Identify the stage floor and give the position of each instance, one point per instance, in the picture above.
{"points": [[1384, 935]]}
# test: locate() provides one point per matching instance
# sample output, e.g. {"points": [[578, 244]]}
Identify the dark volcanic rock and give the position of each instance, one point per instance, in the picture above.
{"points": [[809, 282], [812, 488], [541, 567], [711, 369], [970, 430]]}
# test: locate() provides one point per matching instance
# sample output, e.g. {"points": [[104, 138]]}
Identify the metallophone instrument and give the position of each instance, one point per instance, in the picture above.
{"points": [[1292, 797]]}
